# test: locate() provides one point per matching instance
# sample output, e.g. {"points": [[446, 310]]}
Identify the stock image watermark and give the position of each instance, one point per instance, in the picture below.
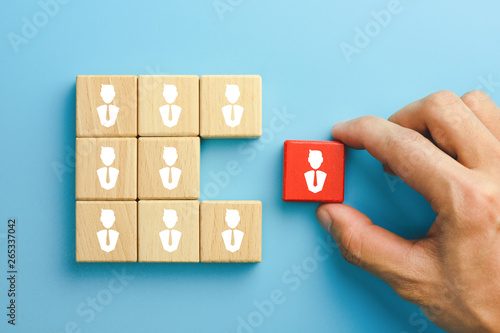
{"points": [[364, 35], [219, 180], [420, 320], [222, 7], [31, 25], [392, 181], [66, 167], [88, 309], [281, 118], [291, 281], [12, 271], [487, 84]]}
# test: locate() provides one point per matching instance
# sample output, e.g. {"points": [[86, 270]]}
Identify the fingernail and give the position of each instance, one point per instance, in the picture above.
{"points": [[324, 219], [337, 126]]}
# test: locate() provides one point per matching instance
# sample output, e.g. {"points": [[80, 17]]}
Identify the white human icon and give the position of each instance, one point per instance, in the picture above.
{"points": [[315, 178], [232, 237], [170, 112], [170, 175], [107, 175], [232, 113], [103, 111], [107, 237], [170, 238]]}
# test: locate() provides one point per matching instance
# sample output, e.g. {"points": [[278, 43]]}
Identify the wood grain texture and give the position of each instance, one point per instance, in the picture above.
{"points": [[88, 99], [88, 161], [88, 223], [151, 98], [213, 99], [212, 224], [151, 161], [150, 224]]}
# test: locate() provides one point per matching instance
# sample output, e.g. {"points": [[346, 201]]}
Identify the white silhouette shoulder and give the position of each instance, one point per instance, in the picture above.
{"points": [[175, 236], [113, 239], [165, 175], [235, 111], [238, 238], [103, 113], [113, 177], [320, 180], [170, 114]]}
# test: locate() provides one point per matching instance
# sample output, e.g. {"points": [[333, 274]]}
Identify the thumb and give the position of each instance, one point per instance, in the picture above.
{"points": [[363, 244]]}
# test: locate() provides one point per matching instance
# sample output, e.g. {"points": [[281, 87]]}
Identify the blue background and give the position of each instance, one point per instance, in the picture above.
{"points": [[295, 47]]}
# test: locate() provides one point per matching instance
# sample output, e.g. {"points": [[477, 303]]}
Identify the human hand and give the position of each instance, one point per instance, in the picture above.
{"points": [[448, 149]]}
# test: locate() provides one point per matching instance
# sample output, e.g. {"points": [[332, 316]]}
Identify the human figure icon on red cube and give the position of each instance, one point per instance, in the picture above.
{"points": [[313, 171], [315, 179]]}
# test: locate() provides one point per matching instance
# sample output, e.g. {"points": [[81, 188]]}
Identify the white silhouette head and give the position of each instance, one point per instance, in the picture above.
{"points": [[232, 93], [107, 155], [107, 93], [107, 218], [170, 155], [170, 93], [315, 159], [170, 217], [232, 218]]}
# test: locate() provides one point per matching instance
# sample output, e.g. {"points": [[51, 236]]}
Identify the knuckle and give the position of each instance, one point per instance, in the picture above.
{"points": [[366, 122], [403, 140], [482, 199], [446, 111], [490, 200], [491, 194], [440, 100], [474, 98], [478, 192]]}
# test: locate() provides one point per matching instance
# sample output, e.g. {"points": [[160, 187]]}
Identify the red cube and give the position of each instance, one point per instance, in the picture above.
{"points": [[313, 171]]}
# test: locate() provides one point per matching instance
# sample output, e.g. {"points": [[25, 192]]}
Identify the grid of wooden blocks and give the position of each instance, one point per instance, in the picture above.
{"points": [[138, 168]]}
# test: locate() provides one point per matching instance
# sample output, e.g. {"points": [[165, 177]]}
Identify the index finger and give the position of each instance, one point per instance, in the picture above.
{"points": [[412, 157]]}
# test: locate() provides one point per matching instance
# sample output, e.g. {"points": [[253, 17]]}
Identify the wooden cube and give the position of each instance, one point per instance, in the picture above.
{"points": [[106, 169], [169, 168], [169, 105], [313, 171], [169, 231], [106, 231], [230, 106], [230, 231], [106, 106]]}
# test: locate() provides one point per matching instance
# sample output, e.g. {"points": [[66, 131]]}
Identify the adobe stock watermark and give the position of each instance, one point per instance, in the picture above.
{"points": [[363, 36], [31, 26], [448, 124], [90, 307], [447, 295], [392, 181], [407, 161], [222, 7], [68, 164], [291, 279], [221, 179], [487, 84], [156, 72]]}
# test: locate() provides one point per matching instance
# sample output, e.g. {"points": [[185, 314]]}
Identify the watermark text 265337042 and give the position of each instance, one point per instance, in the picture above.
{"points": [[11, 271]]}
